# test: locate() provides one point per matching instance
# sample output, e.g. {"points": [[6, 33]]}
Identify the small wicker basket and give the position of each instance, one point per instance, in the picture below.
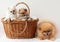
{"points": [[20, 29]]}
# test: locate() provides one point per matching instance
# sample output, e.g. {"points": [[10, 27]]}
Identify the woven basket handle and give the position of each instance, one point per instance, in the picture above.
{"points": [[24, 4], [21, 31], [24, 28]]}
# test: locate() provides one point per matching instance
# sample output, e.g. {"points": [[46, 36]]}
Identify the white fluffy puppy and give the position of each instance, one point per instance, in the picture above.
{"points": [[11, 14]]}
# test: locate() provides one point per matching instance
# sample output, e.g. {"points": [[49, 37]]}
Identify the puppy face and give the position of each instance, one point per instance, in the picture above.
{"points": [[22, 11], [12, 10], [46, 28]]}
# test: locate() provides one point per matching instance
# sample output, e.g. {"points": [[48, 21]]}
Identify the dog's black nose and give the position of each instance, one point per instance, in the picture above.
{"points": [[47, 34]]}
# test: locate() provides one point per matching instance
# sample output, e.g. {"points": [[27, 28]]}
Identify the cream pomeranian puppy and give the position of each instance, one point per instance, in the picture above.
{"points": [[11, 14]]}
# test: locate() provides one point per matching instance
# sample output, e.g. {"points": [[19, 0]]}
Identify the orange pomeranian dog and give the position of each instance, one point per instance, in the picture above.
{"points": [[46, 30]]}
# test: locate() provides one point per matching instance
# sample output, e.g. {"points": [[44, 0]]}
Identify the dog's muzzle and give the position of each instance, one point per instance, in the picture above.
{"points": [[47, 33]]}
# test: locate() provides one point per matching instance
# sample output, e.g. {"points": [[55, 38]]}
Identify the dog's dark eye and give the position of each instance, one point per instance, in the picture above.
{"points": [[45, 31], [25, 9], [24, 15], [11, 11], [48, 30]]}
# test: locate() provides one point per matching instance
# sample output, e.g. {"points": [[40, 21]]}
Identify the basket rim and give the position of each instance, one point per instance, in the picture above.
{"points": [[15, 21]]}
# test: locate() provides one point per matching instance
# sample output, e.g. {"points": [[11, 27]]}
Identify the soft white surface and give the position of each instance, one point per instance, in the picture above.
{"points": [[6, 39], [44, 9]]}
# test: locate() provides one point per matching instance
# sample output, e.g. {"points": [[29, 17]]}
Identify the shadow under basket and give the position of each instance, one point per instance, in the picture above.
{"points": [[20, 29]]}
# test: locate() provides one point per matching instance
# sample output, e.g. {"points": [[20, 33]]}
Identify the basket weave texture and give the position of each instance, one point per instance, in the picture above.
{"points": [[15, 29]]}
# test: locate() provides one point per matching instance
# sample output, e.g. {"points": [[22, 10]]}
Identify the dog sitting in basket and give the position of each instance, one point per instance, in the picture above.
{"points": [[11, 14], [23, 14]]}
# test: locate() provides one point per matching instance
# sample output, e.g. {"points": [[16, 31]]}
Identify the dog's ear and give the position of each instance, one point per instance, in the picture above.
{"points": [[54, 31]]}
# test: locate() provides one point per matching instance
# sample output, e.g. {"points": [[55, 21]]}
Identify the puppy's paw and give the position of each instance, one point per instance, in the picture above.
{"points": [[40, 38], [52, 39]]}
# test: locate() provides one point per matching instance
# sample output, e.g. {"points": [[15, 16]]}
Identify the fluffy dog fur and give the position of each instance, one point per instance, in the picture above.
{"points": [[11, 14], [46, 30], [23, 13]]}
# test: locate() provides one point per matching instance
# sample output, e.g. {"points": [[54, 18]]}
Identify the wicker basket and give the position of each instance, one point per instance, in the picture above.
{"points": [[20, 29]]}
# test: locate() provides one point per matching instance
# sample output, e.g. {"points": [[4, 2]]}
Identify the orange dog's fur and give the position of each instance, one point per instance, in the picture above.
{"points": [[23, 12], [46, 30]]}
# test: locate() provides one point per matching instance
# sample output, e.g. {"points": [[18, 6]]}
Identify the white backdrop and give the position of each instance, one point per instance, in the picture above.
{"points": [[43, 9]]}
